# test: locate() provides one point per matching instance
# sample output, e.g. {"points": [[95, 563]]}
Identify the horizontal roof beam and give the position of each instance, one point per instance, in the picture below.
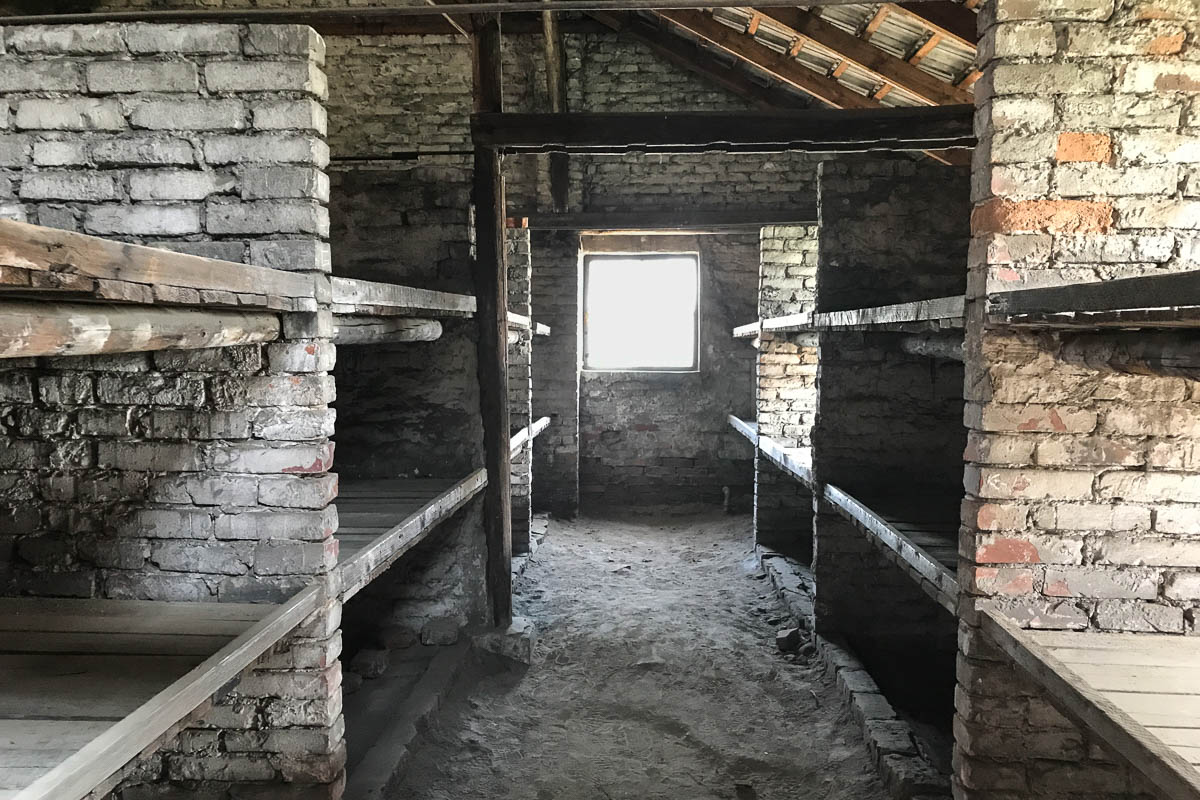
{"points": [[690, 221], [817, 131]]}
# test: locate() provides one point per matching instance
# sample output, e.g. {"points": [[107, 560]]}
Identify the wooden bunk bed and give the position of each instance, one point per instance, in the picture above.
{"points": [[926, 549], [1136, 691], [91, 684], [1168, 301], [918, 316]]}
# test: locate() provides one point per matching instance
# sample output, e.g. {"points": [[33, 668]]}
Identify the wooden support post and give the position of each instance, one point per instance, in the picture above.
{"points": [[491, 292], [556, 88]]}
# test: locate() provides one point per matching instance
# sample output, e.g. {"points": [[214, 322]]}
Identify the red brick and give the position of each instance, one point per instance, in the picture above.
{"points": [[1050, 216], [1084, 147]]}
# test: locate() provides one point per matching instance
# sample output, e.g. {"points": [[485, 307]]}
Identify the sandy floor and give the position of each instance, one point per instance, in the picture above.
{"points": [[656, 676]]}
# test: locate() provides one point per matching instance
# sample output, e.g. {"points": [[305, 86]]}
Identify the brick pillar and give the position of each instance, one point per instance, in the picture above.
{"points": [[785, 387], [556, 296], [520, 386], [189, 475], [1082, 494]]}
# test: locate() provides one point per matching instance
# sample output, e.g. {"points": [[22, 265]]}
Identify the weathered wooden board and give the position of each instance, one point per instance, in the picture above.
{"points": [[353, 296], [361, 562], [30, 328], [38, 259], [1126, 705], [796, 461], [747, 429], [349, 329]]}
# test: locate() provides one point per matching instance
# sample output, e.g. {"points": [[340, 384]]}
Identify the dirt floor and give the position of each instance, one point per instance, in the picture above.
{"points": [[656, 676]]}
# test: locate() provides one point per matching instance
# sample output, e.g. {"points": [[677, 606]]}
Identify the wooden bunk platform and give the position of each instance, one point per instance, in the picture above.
{"points": [[370, 298], [1171, 300], [1136, 691], [382, 519], [926, 548], [918, 316], [795, 461], [91, 684]]}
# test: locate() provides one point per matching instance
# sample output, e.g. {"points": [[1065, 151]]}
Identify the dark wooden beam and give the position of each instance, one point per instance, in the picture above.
{"points": [[690, 221], [556, 89], [684, 54], [1169, 290], [491, 292], [949, 19], [780, 66], [1175, 353], [815, 130], [893, 70]]}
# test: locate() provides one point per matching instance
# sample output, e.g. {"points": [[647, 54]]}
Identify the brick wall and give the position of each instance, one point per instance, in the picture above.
{"points": [[1080, 509], [200, 475], [555, 265], [661, 438], [888, 425], [520, 385], [785, 387]]}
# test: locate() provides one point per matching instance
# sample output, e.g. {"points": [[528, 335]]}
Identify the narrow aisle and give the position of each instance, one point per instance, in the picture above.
{"points": [[656, 676]]}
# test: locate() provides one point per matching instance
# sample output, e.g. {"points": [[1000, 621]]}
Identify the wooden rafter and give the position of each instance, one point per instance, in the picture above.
{"points": [[853, 50], [875, 21], [948, 19], [779, 65], [925, 49]]}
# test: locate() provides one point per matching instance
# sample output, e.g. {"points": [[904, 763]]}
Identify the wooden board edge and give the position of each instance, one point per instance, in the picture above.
{"points": [[75, 777]]}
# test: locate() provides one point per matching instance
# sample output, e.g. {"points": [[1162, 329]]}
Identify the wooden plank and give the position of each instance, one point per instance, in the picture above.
{"points": [[65, 687], [887, 67], [541, 330], [350, 329], [324, 18], [1172, 318], [29, 328], [940, 575], [822, 130], [791, 322], [747, 331], [518, 321], [1163, 767], [693, 221], [1169, 290], [1147, 679], [747, 429], [367, 562], [107, 753], [491, 291], [526, 434], [1129, 642], [942, 311], [354, 296], [33, 247], [168, 644], [796, 461], [1082, 655]]}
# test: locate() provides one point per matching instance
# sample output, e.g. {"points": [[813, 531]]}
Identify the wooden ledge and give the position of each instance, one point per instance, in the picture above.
{"points": [[747, 429], [796, 461], [71, 664], [352, 296], [528, 434]]}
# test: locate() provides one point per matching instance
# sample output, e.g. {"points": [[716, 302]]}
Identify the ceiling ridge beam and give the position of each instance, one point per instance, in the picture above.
{"points": [[866, 56]]}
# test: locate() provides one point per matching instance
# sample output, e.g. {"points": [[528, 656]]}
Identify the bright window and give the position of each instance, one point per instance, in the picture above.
{"points": [[640, 312]]}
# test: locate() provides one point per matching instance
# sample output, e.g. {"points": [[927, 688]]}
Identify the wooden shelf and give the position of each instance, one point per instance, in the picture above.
{"points": [[1171, 300], [370, 298], [528, 434], [382, 519], [1136, 691], [927, 550], [541, 330], [915, 317], [747, 429], [90, 684], [796, 461], [47, 263]]}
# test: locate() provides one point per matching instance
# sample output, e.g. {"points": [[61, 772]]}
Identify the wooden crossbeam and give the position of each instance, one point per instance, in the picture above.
{"points": [[817, 130], [691, 221], [925, 49], [31, 328], [866, 56], [384, 330], [875, 21]]}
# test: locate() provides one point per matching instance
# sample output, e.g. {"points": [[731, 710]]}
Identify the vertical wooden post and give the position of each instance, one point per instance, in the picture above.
{"points": [[491, 292], [556, 88]]}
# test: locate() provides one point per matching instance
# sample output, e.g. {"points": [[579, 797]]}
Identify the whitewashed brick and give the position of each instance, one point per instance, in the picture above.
{"points": [[193, 114], [266, 76], [142, 220], [143, 151], [280, 182], [305, 115], [142, 76], [178, 184], [65, 39], [80, 185], [266, 149], [75, 114], [190, 38]]}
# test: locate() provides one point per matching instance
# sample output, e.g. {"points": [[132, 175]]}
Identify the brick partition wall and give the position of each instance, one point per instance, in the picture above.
{"points": [[1082, 496], [888, 425], [785, 387], [190, 476], [520, 385]]}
